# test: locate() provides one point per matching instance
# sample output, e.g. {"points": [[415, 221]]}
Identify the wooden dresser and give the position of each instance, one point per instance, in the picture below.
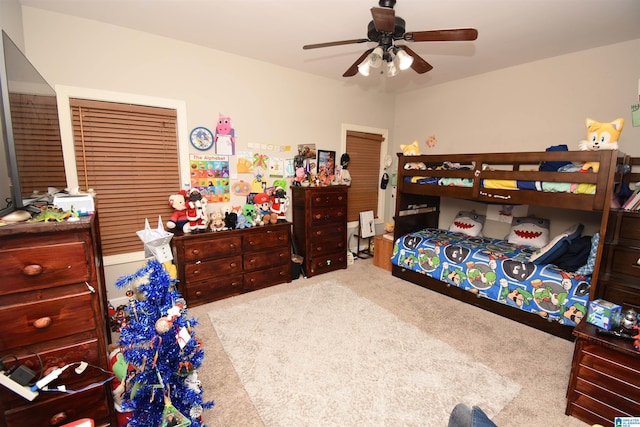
{"points": [[220, 264], [52, 308], [618, 281], [605, 378], [320, 227], [605, 374]]}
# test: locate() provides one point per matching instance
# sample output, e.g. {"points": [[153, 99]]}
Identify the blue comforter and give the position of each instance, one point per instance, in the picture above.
{"points": [[497, 270]]}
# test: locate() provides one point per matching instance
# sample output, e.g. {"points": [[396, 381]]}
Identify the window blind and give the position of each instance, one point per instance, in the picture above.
{"points": [[37, 141], [128, 154], [364, 165]]}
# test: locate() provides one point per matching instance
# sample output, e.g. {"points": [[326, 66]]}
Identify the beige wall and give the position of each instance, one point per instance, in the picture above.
{"points": [[528, 107], [267, 104]]}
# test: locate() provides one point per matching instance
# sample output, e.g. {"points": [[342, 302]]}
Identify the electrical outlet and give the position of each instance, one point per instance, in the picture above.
{"points": [[17, 388]]}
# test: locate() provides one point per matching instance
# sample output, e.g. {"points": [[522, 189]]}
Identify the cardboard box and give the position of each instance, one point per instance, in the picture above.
{"points": [[604, 314]]}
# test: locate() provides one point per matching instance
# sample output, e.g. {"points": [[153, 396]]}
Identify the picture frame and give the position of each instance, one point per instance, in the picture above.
{"points": [[326, 163]]}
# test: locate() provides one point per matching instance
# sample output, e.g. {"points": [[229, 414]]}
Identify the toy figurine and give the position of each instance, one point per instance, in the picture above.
{"points": [[280, 204], [345, 176], [196, 211]]}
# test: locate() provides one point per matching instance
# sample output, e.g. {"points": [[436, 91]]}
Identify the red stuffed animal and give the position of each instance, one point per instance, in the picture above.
{"points": [[179, 218]]}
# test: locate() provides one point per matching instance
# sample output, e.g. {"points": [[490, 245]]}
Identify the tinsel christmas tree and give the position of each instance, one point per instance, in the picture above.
{"points": [[163, 354]]}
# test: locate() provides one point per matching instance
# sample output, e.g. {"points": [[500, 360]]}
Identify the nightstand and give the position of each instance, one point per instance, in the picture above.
{"points": [[383, 248], [605, 378]]}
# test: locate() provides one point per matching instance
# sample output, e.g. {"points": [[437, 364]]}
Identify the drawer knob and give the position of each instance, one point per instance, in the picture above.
{"points": [[58, 419], [195, 251], [32, 270], [233, 264], [198, 294], [196, 272], [42, 323]]}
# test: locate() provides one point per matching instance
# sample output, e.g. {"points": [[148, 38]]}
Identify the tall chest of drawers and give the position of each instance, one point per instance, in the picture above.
{"points": [[618, 281], [52, 308], [216, 265], [320, 227]]}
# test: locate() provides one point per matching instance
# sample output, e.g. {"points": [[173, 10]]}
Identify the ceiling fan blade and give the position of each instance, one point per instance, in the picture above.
{"points": [[419, 65], [460, 34], [353, 70], [384, 19], [317, 45]]}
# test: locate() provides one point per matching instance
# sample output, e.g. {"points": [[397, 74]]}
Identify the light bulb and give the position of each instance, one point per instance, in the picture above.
{"points": [[392, 70], [363, 67], [404, 59], [375, 57]]}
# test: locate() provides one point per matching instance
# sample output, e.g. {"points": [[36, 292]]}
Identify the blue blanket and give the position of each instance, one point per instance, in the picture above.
{"points": [[495, 269]]}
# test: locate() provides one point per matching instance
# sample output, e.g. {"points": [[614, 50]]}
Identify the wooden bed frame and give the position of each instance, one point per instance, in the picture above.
{"points": [[418, 206]]}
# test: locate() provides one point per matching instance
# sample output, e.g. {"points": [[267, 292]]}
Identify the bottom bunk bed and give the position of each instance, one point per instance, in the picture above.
{"points": [[496, 275], [489, 273]]}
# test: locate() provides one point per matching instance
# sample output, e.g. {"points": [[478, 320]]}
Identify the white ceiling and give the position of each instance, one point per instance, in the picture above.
{"points": [[511, 32]]}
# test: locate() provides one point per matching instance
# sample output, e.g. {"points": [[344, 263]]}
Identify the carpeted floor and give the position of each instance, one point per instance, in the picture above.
{"points": [[538, 362], [322, 355]]}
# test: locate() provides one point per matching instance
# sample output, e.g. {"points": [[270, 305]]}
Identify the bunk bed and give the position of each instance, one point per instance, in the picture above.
{"points": [[505, 179]]}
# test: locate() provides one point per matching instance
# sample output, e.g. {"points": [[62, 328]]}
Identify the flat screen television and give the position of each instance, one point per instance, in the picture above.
{"points": [[32, 147]]}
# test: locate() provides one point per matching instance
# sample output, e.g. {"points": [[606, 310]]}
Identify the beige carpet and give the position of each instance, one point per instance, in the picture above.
{"points": [[322, 355], [537, 361]]}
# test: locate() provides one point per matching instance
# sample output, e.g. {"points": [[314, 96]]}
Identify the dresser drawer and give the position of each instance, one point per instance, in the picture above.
{"points": [[213, 268], [328, 198], [329, 230], [25, 324], [210, 290], [273, 257], [323, 246], [267, 238], [61, 409], [57, 357], [267, 277], [330, 262], [43, 267], [200, 249], [625, 294], [623, 260], [324, 216], [630, 228]]}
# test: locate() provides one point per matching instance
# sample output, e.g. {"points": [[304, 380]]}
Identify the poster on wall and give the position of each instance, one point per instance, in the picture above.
{"points": [[210, 175]]}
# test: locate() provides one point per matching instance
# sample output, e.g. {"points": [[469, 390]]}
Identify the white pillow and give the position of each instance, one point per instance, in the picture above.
{"points": [[469, 223], [529, 231]]}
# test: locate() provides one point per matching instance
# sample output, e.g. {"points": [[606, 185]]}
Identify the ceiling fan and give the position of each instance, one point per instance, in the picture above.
{"points": [[385, 29]]}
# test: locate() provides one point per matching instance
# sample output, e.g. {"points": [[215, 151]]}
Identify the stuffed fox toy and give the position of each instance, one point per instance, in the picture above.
{"points": [[600, 136]]}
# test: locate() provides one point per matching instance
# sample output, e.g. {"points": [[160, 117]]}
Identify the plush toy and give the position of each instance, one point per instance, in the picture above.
{"points": [[217, 221], [196, 211], [179, 217], [412, 150], [600, 136], [243, 222], [263, 206], [120, 384], [230, 220], [280, 204], [529, 231]]}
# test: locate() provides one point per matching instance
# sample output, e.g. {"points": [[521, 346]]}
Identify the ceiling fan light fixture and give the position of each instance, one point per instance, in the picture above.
{"points": [[392, 70], [363, 67], [404, 59], [375, 57]]}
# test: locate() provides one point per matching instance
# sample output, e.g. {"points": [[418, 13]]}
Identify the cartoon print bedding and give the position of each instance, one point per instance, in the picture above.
{"points": [[497, 270]]}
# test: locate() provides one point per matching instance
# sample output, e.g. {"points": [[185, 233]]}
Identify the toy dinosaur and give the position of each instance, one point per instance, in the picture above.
{"points": [[51, 214]]}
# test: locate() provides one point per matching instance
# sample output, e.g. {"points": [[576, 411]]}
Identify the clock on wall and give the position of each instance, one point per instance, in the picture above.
{"points": [[201, 138]]}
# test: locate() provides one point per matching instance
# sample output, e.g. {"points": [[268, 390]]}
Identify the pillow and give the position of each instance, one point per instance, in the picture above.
{"points": [[529, 231], [556, 247], [469, 223], [587, 269]]}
